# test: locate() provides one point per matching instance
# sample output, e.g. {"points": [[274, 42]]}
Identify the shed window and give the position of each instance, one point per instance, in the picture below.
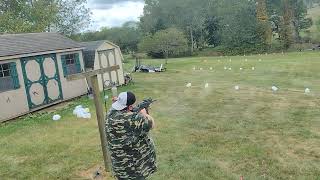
{"points": [[8, 77], [4, 70], [71, 64], [70, 59]]}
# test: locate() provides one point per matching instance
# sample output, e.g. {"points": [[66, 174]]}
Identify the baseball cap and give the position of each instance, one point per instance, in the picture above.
{"points": [[124, 100]]}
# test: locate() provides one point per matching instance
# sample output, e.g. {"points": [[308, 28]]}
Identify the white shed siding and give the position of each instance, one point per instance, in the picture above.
{"points": [[14, 102], [72, 89]]}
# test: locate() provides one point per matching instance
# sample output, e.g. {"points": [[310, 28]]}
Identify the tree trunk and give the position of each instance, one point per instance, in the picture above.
{"points": [[296, 33], [167, 55], [263, 18], [192, 43], [288, 32]]}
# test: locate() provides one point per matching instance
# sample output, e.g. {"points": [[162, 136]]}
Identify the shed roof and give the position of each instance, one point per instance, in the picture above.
{"points": [[90, 49], [20, 44], [94, 45]]}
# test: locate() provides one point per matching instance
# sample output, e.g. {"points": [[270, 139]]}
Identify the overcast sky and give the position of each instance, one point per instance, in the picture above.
{"points": [[113, 13]]}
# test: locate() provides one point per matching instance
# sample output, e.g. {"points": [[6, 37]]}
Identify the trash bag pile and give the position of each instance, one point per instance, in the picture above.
{"points": [[82, 112]]}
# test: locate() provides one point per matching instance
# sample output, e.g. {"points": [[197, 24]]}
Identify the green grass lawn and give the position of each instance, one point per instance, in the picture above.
{"points": [[213, 133]]}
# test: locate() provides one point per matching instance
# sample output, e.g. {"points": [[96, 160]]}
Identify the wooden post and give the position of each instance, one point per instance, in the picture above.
{"points": [[93, 75], [100, 119]]}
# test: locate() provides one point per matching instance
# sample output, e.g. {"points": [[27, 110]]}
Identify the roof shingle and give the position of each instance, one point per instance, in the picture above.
{"points": [[20, 44]]}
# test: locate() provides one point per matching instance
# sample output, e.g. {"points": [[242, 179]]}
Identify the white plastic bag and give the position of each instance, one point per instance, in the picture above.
{"points": [[86, 116], [81, 112], [56, 117]]}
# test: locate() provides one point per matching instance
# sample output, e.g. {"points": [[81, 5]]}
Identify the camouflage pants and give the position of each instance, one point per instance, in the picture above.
{"points": [[139, 178]]}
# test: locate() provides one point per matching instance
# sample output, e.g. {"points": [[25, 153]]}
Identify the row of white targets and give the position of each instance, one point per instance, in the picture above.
{"points": [[237, 88], [225, 68]]}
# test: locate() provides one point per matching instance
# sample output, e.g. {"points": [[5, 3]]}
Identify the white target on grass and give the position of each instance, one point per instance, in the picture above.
{"points": [[307, 91], [275, 88]]}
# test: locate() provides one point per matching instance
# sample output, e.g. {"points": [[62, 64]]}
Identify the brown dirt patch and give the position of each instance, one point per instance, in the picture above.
{"points": [[96, 172]]}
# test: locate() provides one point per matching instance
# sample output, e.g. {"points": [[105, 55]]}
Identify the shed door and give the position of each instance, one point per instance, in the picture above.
{"points": [[107, 58], [42, 81]]}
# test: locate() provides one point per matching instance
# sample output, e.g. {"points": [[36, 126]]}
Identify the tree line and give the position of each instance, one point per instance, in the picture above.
{"points": [[173, 28], [180, 27]]}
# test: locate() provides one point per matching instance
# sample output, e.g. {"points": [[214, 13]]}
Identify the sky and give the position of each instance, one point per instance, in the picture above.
{"points": [[113, 13]]}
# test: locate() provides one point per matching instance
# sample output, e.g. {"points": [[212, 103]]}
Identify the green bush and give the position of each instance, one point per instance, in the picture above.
{"points": [[169, 42]]}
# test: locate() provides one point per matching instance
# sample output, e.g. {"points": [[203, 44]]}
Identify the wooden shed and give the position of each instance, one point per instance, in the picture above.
{"points": [[33, 70], [102, 54]]}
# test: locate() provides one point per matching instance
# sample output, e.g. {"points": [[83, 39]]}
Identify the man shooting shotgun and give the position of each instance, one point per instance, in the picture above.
{"points": [[145, 104], [131, 148]]}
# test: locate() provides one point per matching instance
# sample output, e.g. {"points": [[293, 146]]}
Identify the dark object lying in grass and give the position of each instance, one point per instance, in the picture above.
{"points": [[149, 69]]}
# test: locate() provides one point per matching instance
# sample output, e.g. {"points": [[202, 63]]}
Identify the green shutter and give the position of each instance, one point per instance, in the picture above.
{"points": [[14, 75], [78, 65], [64, 65]]}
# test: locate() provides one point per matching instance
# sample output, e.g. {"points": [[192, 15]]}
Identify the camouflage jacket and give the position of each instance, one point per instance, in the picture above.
{"points": [[131, 148]]}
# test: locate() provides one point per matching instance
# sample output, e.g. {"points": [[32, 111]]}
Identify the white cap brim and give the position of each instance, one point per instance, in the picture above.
{"points": [[117, 106]]}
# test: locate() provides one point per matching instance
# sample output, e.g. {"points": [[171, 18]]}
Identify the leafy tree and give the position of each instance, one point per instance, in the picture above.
{"points": [[72, 16], [127, 37], [187, 15], [64, 16], [212, 26], [239, 27], [166, 43], [289, 18], [300, 20], [26, 16], [287, 26], [263, 21]]}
